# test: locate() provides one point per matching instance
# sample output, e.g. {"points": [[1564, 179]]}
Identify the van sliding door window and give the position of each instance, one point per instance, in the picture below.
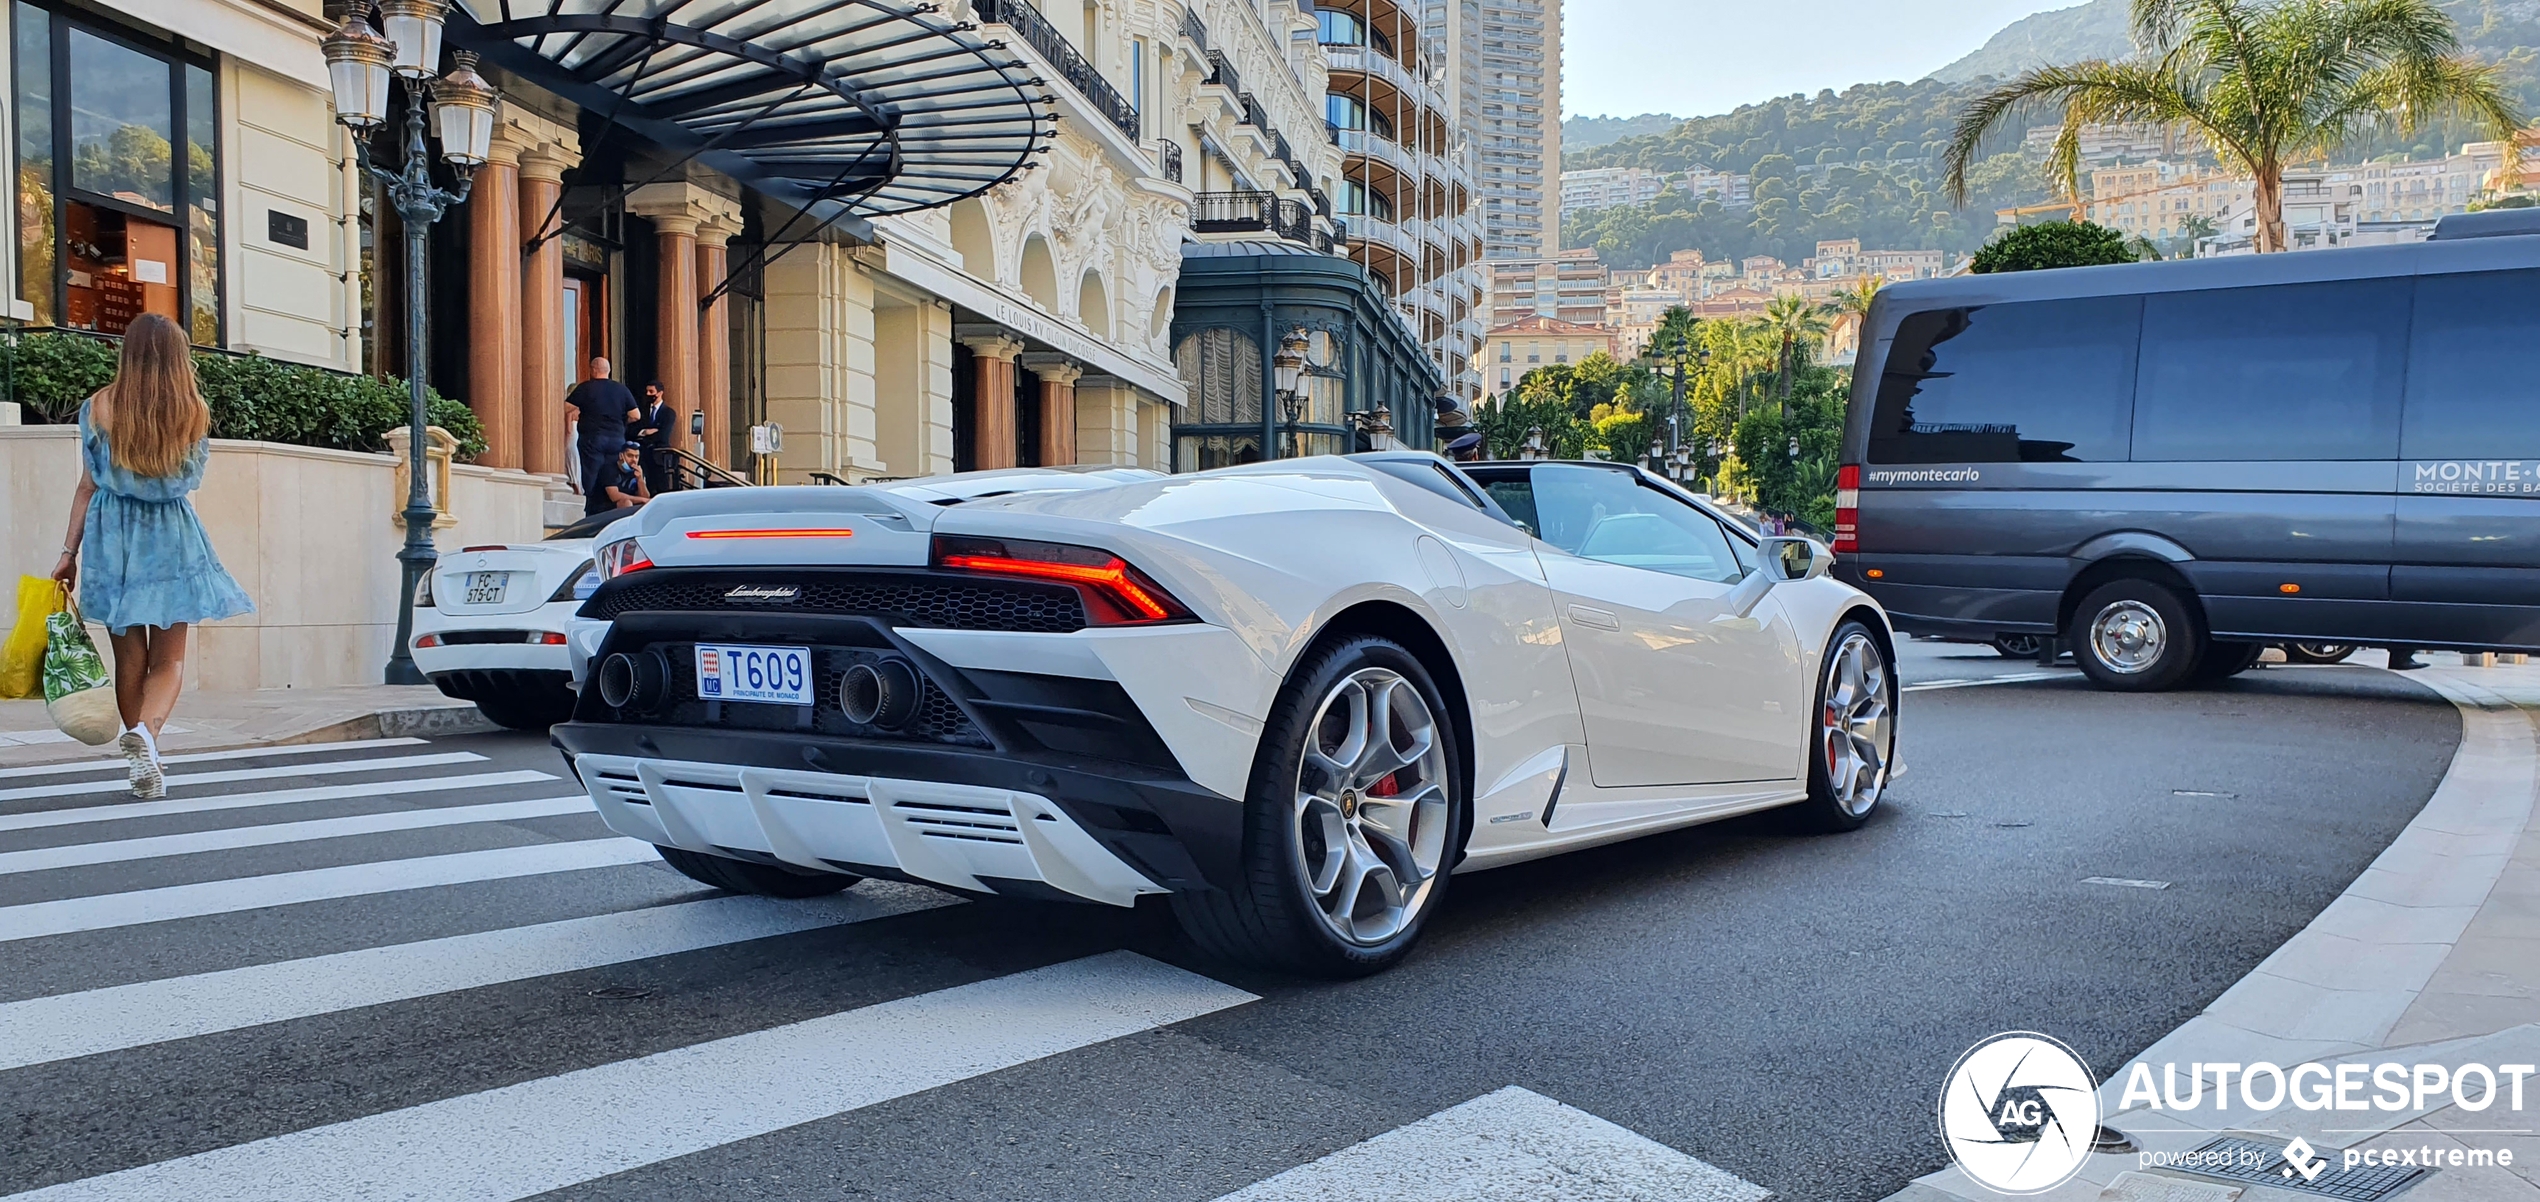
{"points": [[2471, 394], [2294, 371], [2034, 382]]}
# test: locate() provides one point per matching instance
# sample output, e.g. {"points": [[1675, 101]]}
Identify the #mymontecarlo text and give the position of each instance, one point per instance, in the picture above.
{"points": [[2315, 1086]]}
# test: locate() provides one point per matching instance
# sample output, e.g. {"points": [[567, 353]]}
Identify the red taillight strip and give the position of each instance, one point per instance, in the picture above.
{"points": [[804, 532], [1113, 578], [1847, 509]]}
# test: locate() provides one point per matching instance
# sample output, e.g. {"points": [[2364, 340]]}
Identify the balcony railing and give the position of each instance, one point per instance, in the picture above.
{"points": [[1071, 66], [1168, 158], [1193, 29], [1221, 71], [1256, 212]]}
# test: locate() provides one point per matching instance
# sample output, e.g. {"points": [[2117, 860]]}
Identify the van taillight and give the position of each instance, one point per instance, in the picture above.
{"points": [[1847, 509]]}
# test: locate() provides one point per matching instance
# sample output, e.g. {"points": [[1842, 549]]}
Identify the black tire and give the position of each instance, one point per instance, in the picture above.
{"points": [[528, 711], [2222, 661], [1272, 919], [2018, 646], [1827, 810], [2168, 639], [765, 880], [2319, 653]]}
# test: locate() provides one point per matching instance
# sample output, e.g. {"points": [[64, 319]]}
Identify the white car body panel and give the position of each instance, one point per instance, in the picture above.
{"points": [[1707, 713], [535, 571]]}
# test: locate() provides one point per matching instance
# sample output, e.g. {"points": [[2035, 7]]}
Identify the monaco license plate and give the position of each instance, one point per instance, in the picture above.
{"points": [[486, 588], [774, 675]]}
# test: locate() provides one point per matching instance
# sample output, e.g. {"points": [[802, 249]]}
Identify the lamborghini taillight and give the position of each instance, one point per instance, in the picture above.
{"points": [[1847, 509], [1115, 593], [618, 558]]}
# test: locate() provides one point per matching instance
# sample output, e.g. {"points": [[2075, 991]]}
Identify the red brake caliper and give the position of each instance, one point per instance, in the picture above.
{"points": [[1385, 788]]}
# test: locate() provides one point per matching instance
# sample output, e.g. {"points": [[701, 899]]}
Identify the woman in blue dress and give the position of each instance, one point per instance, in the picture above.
{"points": [[149, 571]]}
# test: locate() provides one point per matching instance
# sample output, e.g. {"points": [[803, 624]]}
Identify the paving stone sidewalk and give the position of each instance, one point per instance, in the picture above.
{"points": [[2432, 956], [214, 721]]}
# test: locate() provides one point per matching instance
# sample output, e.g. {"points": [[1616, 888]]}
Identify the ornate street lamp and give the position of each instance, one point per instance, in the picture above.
{"points": [[1288, 366], [1377, 425], [358, 63], [1533, 448]]}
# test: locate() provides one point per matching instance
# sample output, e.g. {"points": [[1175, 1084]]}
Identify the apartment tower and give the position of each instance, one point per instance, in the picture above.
{"points": [[1513, 103]]}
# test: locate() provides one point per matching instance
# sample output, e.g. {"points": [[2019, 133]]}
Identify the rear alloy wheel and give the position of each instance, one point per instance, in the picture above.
{"points": [[2318, 653], [2136, 636], [2018, 646], [765, 880], [1853, 752], [1353, 820]]}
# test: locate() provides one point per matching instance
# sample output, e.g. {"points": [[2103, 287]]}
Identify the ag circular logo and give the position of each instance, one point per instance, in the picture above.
{"points": [[2019, 1113]]}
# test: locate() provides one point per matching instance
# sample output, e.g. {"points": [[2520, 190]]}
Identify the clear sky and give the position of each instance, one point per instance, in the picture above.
{"points": [[1694, 58]]}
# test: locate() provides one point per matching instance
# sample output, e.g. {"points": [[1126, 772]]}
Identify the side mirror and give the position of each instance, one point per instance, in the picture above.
{"points": [[1785, 560], [1797, 558]]}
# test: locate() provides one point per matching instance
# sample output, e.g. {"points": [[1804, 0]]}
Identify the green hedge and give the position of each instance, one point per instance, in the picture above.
{"points": [[251, 396]]}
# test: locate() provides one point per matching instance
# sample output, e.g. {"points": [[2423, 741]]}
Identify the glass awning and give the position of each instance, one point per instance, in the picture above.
{"points": [[852, 108]]}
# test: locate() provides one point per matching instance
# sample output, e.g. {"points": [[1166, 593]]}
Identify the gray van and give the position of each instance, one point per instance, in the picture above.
{"points": [[2170, 465]]}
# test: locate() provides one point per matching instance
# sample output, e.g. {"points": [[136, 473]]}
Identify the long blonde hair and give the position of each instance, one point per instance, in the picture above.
{"points": [[154, 414]]}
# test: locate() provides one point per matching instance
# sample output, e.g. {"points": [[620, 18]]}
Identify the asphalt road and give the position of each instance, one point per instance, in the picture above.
{"points": [[1781, 1007]]}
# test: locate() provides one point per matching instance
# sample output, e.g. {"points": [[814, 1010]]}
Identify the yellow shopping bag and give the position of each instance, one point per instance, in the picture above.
{"points": [[22, 657]]}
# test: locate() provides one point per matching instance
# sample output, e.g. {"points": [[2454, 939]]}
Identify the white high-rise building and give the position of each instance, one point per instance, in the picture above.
{"points": [[1511, 96]]}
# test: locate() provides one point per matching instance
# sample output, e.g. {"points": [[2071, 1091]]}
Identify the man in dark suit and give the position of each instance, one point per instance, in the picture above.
{"points": [[602, 407], [656, 427]]}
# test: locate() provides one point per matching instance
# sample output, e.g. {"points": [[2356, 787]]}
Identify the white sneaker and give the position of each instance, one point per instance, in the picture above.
{"points": [[148, 781]]}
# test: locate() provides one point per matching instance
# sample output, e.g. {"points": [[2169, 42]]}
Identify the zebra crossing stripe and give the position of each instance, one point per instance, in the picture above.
{"points": [[1513, 1143], [35, 920], [77, 815], [207, 757], [41, 859], [234, 775], [41, 1030], [540, 1135]]}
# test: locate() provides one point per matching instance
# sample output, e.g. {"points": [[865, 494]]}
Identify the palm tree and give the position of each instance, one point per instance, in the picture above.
{"points": [[1797, 321], [2263, 82]]}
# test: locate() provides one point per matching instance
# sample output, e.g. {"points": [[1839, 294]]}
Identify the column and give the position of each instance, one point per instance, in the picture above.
{"points": [[493, 310], [714, 345], [675, 309], [1058, 376], [992, 422], [543, 371]]}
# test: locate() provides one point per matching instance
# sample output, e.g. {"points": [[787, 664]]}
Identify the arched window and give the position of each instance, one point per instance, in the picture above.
{"points": [[971, 239], [1040, 275], [1093, 305]]}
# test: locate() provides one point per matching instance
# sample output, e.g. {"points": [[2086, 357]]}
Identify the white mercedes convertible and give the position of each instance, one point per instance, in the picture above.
{"points": [[1294, 696]]}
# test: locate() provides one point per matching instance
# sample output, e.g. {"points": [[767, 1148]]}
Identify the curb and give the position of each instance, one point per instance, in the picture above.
{"points": [[421, 721]]}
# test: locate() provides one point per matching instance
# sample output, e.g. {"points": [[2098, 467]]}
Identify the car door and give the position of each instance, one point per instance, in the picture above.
{"points": [[1674, 689]]}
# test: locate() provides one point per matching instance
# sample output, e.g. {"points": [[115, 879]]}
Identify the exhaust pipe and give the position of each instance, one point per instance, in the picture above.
{"points": [[881, 693], [635, 682]]}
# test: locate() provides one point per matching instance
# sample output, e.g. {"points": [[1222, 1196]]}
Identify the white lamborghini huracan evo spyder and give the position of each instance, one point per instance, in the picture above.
{"points": [[1292, 695]]}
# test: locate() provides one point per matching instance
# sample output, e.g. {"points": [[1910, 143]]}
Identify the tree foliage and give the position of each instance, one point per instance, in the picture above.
{"points": [[2265, 83], [2053, 244]]}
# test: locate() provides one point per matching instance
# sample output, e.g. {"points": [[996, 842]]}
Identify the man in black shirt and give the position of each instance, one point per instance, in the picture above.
{"points": [[603, 407]]}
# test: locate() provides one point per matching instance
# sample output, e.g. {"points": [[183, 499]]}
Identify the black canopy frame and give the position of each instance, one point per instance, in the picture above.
{"points": [[842, 109]]}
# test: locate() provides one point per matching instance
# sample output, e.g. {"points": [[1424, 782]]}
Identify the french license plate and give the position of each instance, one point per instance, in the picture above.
{"points": [[486, 588], [774, 675]]}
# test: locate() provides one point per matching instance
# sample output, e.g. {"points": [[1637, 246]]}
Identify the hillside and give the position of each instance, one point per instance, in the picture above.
{"points": [[2065, 35], [1582, 133]]}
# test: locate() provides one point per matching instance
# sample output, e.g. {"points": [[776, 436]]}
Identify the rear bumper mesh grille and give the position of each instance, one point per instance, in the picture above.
{"points": [[923, 599]]}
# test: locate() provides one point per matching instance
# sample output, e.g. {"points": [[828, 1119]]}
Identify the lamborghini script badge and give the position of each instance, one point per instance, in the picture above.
{"points": [[761, 593]]}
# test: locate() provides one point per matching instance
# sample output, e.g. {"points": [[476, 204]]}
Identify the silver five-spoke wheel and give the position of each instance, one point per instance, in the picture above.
{"points": [[2129, 636], [1854, 730], [1371, 812]]}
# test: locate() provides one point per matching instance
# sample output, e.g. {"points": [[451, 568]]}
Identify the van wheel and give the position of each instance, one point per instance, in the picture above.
{"points": [[2136, 636], [2018, 646]]}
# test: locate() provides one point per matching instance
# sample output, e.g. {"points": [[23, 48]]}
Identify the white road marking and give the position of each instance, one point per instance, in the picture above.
{"points": [[238, 801], [1508, 1144], [193, 842], [545, 1134], [206, 757], [2013, 678], [35, 920], [336, 768], [2124, 883], [40, 1030], [2199, 793]]}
